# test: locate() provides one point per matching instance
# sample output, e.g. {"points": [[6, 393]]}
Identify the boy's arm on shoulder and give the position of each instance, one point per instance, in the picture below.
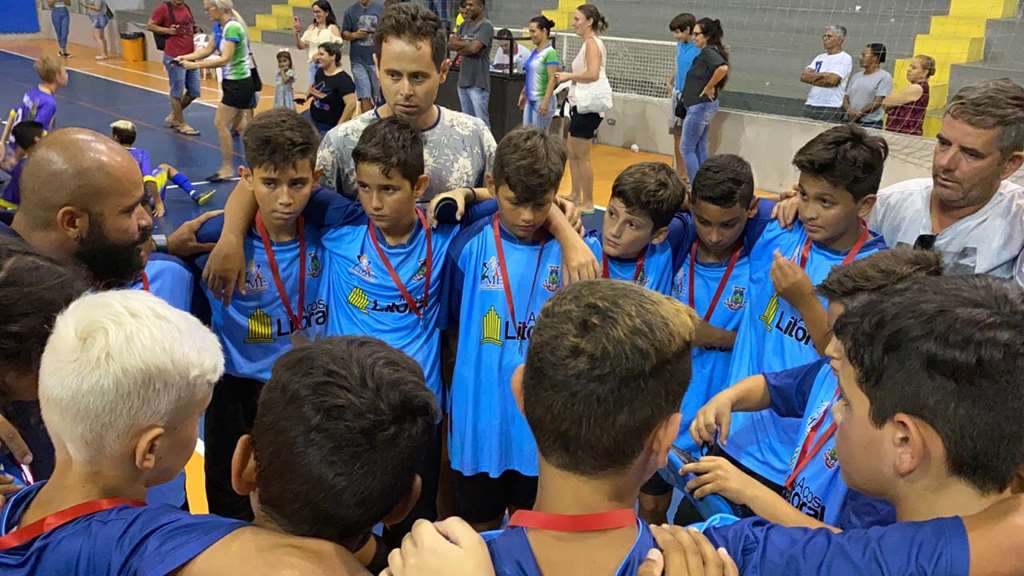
{"points": [[790, 390], [329, 209], [256, 552]]}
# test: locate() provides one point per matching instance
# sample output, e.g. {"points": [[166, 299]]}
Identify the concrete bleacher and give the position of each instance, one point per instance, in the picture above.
{"points": [[1004, 48]]}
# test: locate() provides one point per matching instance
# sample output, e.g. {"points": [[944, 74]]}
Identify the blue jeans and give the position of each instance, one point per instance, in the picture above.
{"points": [[533, 117], [61, 23], [694, 144], [364, 76], [475, 102], [182, 81]]}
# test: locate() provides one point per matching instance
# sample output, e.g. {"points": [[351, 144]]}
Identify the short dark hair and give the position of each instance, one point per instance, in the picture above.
{"points": [[847, 157], [724, 180], [26, 133], [608, 362], [653, 188], [543, 22], [682, 21], [993, 104], [947, 350], [530, 162], [413, 23], [280, 139], [123, 133], [339, 429], [883, 269], [391, 143], [878, 50], [332, 49], [36, 288]]}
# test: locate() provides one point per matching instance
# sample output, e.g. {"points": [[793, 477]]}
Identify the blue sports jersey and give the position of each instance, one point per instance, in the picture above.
{"points": [[933, 548], [808, 392], [487, 433], [146, 540], [660, 260], [512, 555], [363, 298], [771, 338], [255, 329], [170, 279]]}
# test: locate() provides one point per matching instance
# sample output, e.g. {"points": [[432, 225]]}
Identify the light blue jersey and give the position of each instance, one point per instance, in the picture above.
{"points": [[255, 329], [772, 337], [659, 262], [170, 279], [487, 433]]}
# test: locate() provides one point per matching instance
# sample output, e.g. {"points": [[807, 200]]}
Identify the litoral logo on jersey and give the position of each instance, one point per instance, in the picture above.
{"points": [[313, 265], [787, 324], [254, 281], [805, 500], [496, 330], [491, 328], [359, 299], [362, 302], [552, 281], [831, 458], [490, 276], [737, 298], [362, 267], [260, 329]]}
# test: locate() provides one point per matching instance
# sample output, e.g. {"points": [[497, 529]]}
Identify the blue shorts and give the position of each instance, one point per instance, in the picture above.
{"points": [[365, 78], [100, 21], [181, 80]]}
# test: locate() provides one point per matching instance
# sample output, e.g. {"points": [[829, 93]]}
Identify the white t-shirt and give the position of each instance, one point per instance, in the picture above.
{"points": [[840, 64], [989, 241]]}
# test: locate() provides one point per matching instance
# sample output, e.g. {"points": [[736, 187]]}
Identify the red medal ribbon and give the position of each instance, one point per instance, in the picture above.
{"points": [[721, 283], [864, 235], [394, 275], [574, 522], [811, 447], [636, 273], [276, 273], [39, 527], [145, 281], [505, 280]]}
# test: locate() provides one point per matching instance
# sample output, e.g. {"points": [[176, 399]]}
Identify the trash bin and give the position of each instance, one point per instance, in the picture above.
{"points": [[133, 46]]}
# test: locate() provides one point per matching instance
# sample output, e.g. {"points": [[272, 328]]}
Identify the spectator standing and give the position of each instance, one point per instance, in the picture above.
{"points": [[868, 89], [907, 107], [323, 29], [473, 44], [173, 21], [686, 51], [284, 81], [100, 14], [508, 57], [332, 95], [537, 99], [359, 27], [61, 19], [827, 75], [704, 83]]}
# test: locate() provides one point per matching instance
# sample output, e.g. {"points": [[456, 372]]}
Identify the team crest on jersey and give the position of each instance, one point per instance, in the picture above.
{"points": [[831, 458], [491, 328], [737, 298], [490, 276], [551, 281], [313, 265], [362, 267], [421, 272], [260, 328], [254, 280]]}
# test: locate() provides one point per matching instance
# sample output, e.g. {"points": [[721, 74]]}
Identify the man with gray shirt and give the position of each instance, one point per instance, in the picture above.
{"points": [[473, 43], [412, 56], [867, 89], [358, 28]]}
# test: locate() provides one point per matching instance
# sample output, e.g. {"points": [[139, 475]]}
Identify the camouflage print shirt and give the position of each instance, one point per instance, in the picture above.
{"points": [[458, 150]]}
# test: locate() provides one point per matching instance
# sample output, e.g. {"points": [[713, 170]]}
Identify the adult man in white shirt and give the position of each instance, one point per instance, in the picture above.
{"points": [[827, 74]]}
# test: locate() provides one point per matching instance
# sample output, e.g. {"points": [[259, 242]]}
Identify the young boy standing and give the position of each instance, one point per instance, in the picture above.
{"points": [[785, 323], [501, 271], [39, 103], [686, 51], [815, 494]]}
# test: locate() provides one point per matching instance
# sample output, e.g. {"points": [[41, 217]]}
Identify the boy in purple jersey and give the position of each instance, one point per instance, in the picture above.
{"points": [[600, 390], [121, 420], [345, 418], [39, 103], [815, 496]]}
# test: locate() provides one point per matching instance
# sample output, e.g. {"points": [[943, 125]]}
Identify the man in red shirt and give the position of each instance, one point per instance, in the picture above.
{"points": [[173, 19]]}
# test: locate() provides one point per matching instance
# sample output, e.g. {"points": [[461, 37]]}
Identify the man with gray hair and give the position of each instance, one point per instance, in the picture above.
{"points": [[827, 74], [122, 419]]}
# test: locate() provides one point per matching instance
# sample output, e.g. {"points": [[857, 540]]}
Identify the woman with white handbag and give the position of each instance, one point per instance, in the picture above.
{"points": [[590, 96]]}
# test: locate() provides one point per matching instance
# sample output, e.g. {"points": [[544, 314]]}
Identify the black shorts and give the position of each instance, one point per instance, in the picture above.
{"points": [[583, 125], [238, 93], [480, 498]]}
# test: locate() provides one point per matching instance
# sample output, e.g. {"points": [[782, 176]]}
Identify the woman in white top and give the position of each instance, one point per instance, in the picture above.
{"points": [[588, 67], [323, 30]]}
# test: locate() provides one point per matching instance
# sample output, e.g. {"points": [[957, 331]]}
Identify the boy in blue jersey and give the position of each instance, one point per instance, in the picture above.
{"points": [[501, 271], [600, 389], [345, 419], [815, 494], [167, 277], [123, 419], [785, 323], [686, 51], [285, 300], [155, 180], [26, 134], [640, 236]]}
